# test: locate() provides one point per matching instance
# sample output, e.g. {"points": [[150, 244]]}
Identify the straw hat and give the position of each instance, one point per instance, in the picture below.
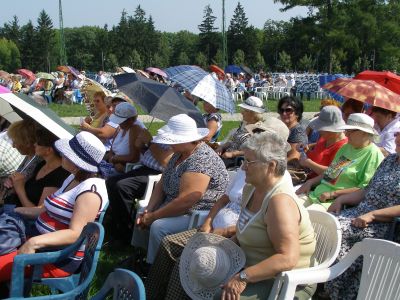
{"points": [[208, 261], [360, 121], [84, 150], [254, 104], [123, 111], [329, 119], [180, 129]]}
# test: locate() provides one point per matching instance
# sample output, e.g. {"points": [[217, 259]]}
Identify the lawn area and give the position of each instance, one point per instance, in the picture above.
{"points": [[76, 110]]}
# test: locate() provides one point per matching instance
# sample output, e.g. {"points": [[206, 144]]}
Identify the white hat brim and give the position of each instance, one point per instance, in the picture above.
{"points": [[169, 138], [194, 289], [252, 108], [65, 149], [353, 127]]}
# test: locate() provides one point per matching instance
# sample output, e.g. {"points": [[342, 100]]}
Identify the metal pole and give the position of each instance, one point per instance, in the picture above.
{"points": [[224, 42]]}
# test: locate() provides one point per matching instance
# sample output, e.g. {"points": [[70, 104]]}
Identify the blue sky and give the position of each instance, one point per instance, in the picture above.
{"points": [[168, 15]]}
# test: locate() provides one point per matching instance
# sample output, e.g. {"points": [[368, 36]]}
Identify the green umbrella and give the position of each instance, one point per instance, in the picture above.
{"points": [[45, 75]]}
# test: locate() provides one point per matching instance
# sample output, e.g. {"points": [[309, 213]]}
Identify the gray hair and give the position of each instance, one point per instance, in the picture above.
{"points": [[268, 146]]}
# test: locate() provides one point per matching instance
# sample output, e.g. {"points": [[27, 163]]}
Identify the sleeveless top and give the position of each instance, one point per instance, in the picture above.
{"points": [[253, 237]]}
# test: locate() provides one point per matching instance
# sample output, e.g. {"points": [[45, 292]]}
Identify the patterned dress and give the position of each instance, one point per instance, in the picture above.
{"points": [[383, 191]]}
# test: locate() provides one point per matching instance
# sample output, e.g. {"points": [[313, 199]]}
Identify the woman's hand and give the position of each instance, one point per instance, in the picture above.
{"points": [[335, 207], [144, 138], [27, 248], [325, 196], [304, 161], [148, 218], [227, 155], [233, 288], [88, 120], [8, 183], [219, 150], [363, 220], [18, 180], [305, 188], [84, 125], [206, 227]]}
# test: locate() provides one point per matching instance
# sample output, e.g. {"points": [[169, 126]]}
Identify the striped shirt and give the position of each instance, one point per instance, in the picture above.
{"points": [[60, 207]]}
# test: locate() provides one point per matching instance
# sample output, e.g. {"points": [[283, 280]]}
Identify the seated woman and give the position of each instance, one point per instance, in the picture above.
{"points": [[213, 121], [194, 179], [100, 110], [351, 169], [23, 136], [252, 110], [47, 176], [376, 206], [290, 110], [331, 140], [80, 200], [123, 147]]}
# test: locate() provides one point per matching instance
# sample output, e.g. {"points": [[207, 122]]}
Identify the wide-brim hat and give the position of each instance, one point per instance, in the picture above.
{"points": [[84, 150], [329, 119], [274, 125], [207, 261], [180, 129], [254, 104], [360, 121]]}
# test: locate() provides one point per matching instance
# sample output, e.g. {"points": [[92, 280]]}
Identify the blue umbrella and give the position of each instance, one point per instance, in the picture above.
{"points": [[203, 85], [233, 69]]}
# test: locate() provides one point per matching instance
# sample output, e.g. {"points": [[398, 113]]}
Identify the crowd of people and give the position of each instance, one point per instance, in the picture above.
{"points": [[346, 162]]}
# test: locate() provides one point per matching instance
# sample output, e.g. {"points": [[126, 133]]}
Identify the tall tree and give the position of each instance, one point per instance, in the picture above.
{"points": [[9, 55], [26, 46], [236, 34], [208, 34], [45, 41], [11, 31]]}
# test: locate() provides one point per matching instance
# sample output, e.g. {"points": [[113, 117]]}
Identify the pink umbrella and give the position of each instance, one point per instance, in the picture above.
{"points": [[4, 89], [157, 71], [27, 74]]}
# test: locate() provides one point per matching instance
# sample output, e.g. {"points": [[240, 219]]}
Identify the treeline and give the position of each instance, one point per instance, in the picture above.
{"points": [[335, 36]]}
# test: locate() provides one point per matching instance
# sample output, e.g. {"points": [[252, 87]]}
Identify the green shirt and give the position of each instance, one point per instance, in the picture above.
{"points": [[350, 168]]}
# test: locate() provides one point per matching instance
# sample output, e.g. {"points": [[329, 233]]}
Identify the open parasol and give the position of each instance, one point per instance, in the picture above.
{"points": [[388, 79], [157, 71], [366, 91]]}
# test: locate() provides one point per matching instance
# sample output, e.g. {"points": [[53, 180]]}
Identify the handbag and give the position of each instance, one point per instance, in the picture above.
{"points": [[12, 232], [297, 173]]}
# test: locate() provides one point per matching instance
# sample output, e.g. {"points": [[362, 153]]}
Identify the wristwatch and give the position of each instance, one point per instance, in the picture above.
{"points": [[243, 276]]}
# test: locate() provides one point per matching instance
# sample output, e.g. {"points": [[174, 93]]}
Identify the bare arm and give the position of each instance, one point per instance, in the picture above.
{"points": [[317, 168], [23, 198], [105, 132], [192, 188], [86, 208], [31, 213], [352, 199], [207, 225], [212, 126], [380, 215], [293, 153]]}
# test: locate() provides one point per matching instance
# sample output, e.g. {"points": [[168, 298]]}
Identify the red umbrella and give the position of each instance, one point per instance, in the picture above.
{"points": [[27, 74], [367, 91], [216, 69], [157, 71], [387, 79]]}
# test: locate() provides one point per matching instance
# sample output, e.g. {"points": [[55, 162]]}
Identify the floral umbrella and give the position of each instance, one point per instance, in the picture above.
{"points": [[388, 79], [366, 91]]}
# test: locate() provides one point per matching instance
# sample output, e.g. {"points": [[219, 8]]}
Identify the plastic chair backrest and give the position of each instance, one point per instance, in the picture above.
{"points": [[328, 237], [153, 179], [125, 285], [92, 236]]}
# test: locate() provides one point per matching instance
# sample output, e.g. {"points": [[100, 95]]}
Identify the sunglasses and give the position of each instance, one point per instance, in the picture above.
{"points": [[287, 110]]}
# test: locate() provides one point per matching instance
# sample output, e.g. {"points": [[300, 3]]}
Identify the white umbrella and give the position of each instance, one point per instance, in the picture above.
{"points": [[23, 106]]}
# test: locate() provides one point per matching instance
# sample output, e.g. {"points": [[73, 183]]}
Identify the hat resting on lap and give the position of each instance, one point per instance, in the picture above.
{"points": [[84, 150], [180, 129], [207, 261]]}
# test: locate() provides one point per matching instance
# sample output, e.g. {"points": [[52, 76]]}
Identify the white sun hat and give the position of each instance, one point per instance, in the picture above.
{"points": [[254, 104], [360, 121], [84, 150], [207, 261], [180, 129]]}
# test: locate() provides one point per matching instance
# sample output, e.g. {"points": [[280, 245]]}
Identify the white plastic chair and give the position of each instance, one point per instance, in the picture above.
{"points": [[380, 277], [328, 237], [153, 179]]}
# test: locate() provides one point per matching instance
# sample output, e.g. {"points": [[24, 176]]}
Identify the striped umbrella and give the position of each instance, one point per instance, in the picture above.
{"points": [[203, 85]]}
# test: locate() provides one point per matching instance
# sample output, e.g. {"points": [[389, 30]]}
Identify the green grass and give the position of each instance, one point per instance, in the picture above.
{"points": [[76, 110]]}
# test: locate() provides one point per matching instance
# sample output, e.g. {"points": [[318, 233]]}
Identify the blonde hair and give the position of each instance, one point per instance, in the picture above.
{"points": [[100, 94], [327, 102], [23, 132]]}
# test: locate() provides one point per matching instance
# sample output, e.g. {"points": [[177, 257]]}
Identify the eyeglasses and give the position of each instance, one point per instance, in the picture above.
{"points": [[287, 110], [247, 162]]}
